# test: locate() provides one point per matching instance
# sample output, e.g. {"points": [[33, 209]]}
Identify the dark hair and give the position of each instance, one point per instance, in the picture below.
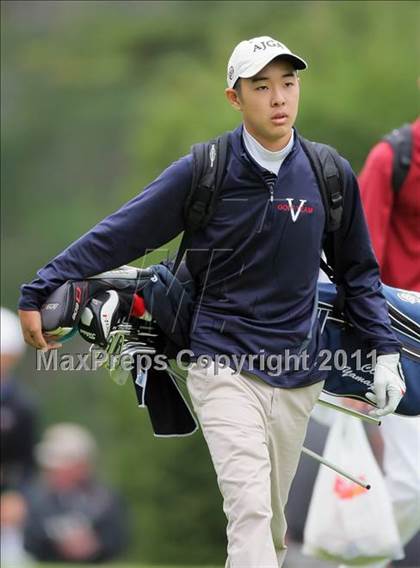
{"points": [[237, 86]]}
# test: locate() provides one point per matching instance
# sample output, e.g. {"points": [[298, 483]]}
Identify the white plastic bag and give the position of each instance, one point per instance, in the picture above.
{"points": [[345, 522]]}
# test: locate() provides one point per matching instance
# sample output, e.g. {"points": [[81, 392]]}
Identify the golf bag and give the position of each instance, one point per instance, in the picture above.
{"points": [[102, 309], [351, 365], [109, 312]]}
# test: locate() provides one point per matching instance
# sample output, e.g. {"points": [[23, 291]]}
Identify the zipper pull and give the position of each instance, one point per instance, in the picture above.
{"points": [[271, 193]]}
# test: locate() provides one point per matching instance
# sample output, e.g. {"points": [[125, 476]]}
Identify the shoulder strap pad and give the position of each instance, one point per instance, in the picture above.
{"points": [[401, 142], [327, 167], [209, 163], [326, 164], [208, 169]]}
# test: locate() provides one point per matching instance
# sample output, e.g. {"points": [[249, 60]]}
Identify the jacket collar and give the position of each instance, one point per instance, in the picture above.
{"points": [[241, 153]]}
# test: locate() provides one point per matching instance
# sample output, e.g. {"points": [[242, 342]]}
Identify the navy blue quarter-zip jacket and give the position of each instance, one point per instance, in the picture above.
{"points": [[255, 264]]}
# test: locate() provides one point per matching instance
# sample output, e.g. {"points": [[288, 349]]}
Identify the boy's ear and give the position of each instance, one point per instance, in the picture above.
{"points": [[233, 98]]}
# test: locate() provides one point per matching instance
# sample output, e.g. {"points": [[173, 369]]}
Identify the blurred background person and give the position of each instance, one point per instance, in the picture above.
{"points": [[12, 519], [18, 418], [72, 517], [390, 190], [18, 414]]}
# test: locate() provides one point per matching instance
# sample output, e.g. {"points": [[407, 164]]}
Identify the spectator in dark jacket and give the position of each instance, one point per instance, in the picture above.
{"points": [[71, 516], [18, 413]]}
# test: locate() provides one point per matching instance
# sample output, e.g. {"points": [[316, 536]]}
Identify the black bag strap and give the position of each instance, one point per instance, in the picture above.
{"points": [[209, 163], [326, 165], [401, 141], [208, 169]]}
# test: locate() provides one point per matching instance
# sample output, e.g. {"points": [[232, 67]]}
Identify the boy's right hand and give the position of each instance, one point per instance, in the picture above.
{"points": [[30, 321]]}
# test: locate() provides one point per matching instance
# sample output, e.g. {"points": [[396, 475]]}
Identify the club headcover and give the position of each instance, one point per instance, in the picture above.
{"points": [[99, 317], [61, 312]]}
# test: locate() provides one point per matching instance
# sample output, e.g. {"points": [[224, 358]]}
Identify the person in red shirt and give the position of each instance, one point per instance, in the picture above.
{"points": [[394, 217]]}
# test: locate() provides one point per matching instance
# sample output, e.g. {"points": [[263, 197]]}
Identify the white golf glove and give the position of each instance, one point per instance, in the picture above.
{"points": [[388, 385]]}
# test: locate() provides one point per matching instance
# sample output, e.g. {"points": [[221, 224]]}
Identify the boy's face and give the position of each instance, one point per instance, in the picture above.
{"points": [[269, 103]]}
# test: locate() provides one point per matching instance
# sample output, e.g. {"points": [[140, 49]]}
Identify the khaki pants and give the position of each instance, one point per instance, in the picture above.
{"points": [[255, 434]]}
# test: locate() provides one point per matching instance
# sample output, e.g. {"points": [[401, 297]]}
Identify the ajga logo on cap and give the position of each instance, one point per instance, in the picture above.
{"points": [[270, 43]]}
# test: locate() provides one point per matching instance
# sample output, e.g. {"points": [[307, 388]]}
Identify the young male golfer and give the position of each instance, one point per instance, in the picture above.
{"points": [[256, 267]]}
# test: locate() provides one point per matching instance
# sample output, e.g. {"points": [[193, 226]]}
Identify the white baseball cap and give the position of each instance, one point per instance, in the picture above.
{"points": [[11, 338], [251, 55]]}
